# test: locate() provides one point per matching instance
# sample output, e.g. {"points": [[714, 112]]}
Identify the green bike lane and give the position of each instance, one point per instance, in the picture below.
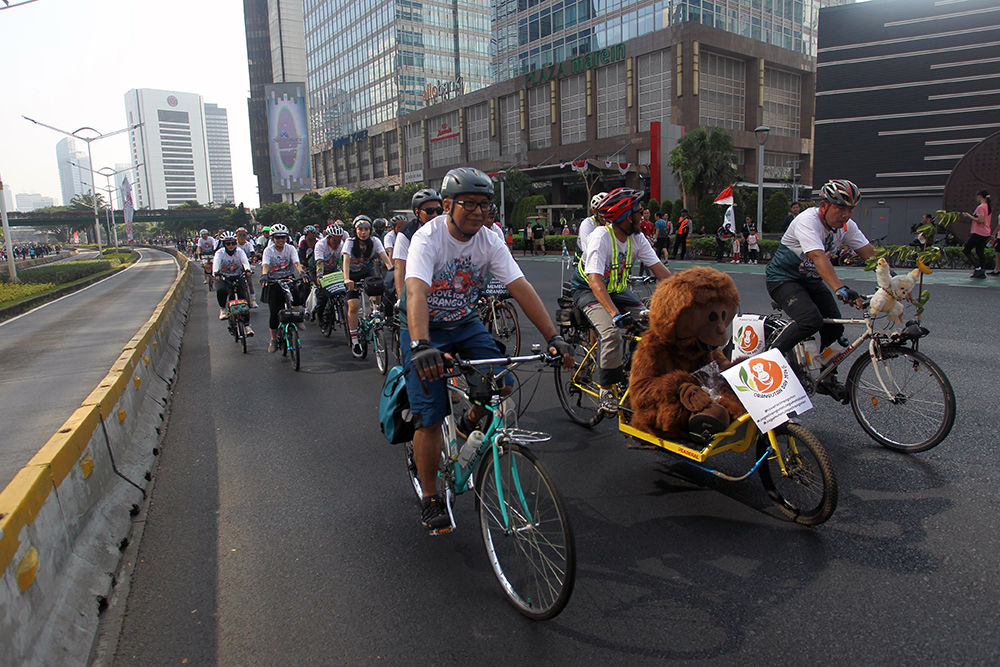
{"points": [[281, 530]]}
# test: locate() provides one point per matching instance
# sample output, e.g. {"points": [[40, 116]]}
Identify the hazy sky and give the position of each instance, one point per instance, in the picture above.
{"points": [[69, 63]]}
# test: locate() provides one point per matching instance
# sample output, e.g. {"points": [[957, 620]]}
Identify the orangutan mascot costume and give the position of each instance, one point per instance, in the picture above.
{"points": [[689, 322]]}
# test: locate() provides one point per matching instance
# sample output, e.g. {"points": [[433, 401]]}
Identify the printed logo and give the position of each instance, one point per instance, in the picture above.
{"points": [[747, 340], [765, 377], [172, 101]]}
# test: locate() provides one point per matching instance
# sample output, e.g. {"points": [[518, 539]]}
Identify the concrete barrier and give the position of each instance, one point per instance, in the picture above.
{"points": [[65, 517]]}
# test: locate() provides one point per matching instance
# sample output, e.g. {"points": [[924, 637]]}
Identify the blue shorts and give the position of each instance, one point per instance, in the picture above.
{"points": [[471, 341]]}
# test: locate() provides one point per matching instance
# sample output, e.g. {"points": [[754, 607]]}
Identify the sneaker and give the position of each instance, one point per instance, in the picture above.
{"points": [[993, 273], [609, 404], [979, 274], [223, 315], [434, 514], [253, 302], [273, 345], [357, 351], [249, 331], [832, 387]]}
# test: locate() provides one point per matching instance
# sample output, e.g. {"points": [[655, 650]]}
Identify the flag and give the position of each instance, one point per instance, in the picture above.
{"points": [[725, 198], [580, 165], [128, 206], [730, 219]]}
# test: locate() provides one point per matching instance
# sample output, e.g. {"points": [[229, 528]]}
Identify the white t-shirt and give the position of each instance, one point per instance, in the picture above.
{"points": [[230, 265], [498, 230], [587, 228], [327, 255], [457, 272], [804, 234], [390, 239], [280, 264], [248, 248], [401, 248], [597, 257], [206, 246], [361, 264]]}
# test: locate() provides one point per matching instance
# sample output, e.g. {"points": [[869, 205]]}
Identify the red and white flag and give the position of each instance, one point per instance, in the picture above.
{"points": [[725, 197], [129, 206]]}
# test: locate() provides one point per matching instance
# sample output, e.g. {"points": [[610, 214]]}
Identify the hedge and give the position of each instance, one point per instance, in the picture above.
{"points": [[67, 272]]}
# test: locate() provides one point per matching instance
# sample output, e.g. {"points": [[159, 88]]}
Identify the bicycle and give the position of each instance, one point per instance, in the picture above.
{"points": [[500, 317], [643, 287], [524, 525], [206, 266], [238, 309], [289, 319], [335, 312], [371, 326], [897, 394]]}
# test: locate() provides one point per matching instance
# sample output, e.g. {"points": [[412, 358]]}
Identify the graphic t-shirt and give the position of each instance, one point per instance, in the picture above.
{"points": [[600, 258], [280, 264], [206, 246], [457, 272], [807, 233], [230, 265], [248, 248], [329, 259], [362, 264]]}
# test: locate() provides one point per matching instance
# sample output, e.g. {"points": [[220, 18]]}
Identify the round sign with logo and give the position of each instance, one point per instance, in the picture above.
{"points": [[172, 101]]}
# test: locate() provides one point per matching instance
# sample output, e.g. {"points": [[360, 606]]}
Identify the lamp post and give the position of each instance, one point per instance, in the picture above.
{"points": [[90, 158], [761, 133], [501, 175], [11, 268]]}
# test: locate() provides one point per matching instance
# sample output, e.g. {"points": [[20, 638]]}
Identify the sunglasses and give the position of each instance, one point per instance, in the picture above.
{"points": [[432, 211], [471, 206], [279, 236], [229, 243]]}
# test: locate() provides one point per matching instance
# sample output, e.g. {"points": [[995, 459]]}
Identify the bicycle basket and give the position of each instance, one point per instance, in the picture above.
{"points": [[291, 315], [373, 286], [239, 308]]}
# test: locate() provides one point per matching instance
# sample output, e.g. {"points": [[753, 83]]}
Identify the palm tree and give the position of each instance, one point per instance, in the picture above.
{"points": [[85, 202], [704, 162]]}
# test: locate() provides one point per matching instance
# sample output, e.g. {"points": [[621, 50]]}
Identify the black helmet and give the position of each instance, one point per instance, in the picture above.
{"points": [[465, 181], [379, 223], [422, 196]]}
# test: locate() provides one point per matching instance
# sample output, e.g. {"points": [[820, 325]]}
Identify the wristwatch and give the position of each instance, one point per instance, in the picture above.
{"points": [[418, 342]]}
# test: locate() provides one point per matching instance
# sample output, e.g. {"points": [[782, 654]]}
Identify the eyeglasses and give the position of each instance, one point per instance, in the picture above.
{"points": [[432, 211], [471, 206], [229, 243]]}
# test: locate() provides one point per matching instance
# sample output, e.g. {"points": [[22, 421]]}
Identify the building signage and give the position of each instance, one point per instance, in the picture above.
{"points": [[351, 138], [416, 176], [575, 66], [443, 90], [445, 132]]}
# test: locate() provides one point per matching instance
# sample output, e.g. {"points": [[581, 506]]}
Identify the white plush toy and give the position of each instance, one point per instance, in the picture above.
{"points": [[893, 289]]}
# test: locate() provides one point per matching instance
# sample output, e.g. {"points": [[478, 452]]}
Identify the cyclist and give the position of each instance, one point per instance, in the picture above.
{"points": [[310, 235], [263, 240], [378, 229], [249, 248], [588, 225], [445, 276], [396, 223], [359, 263], [426, 205], [329, 254], [800, 267], [230, 261], [280, 260], [600, 282], [205, 249]]}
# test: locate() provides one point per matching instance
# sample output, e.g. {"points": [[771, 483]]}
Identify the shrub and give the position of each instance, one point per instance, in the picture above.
{"points": [[654, 207], [16, 291], [776, 209], [552, 243], [675, 214]]}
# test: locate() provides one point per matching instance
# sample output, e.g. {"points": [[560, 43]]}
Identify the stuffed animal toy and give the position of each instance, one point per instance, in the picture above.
{"points": [[893, 289], [688, 324]]}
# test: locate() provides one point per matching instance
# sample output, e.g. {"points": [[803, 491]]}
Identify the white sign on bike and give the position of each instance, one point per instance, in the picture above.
{"points": [[768, 389], [333, 282], [748, 336]]}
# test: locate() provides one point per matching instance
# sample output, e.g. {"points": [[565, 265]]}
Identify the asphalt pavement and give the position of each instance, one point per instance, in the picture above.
{"points": [[282, 531], [52, 357]]}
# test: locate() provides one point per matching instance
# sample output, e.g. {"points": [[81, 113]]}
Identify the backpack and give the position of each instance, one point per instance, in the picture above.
{"points": [[395, 418]]}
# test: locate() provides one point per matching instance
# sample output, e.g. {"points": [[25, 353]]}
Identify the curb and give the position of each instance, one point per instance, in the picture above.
{"points": [[65, 517]]}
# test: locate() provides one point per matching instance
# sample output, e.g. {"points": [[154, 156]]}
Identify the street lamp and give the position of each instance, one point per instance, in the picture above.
{"points": [[111, 206], [761, 133], [90, 157], [501, 176], [11, 268]]}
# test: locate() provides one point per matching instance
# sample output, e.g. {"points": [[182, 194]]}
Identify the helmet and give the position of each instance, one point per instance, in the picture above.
{"points": [[495, 210], [466, 180], [310, 230], [420, 197], [595, 201], [840, 192], [279, 230], [396, 219], [241, 229], [227, 236], [362, 219], [334, 230], [379, 223], [619, 204], [204, 231]]}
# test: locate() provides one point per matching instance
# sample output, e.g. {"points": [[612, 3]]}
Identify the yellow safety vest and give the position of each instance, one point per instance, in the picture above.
{"points": [[617, 278]]}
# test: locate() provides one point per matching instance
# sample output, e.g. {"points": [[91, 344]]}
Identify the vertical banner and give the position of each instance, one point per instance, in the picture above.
{"points": [[287, 138], [129, 207]]}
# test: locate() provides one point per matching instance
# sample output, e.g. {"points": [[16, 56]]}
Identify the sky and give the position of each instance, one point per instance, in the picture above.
{"points": [[69, 63]]}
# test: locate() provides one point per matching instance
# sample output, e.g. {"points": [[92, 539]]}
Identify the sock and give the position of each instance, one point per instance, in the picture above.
{"points": [[354, 336], [274, 333]]}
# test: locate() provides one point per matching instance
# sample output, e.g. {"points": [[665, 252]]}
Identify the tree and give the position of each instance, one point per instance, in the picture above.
{"points": [[703, 162], [517, 186], [85, 202], [775, 211], [675, 214], [710, 215], [653, 206], [402, 197], [239, 217], [336, 202], [310, 211], [277, 213], [525, 207]]}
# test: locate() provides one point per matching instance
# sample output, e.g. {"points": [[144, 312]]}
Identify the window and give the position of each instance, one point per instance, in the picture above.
{"points": [[573, 102], [414, 148], [654, 88], [778, 166], [611, 100], [782, 102], [477, 122], [539, 119], [510, 125], [722, 92]]}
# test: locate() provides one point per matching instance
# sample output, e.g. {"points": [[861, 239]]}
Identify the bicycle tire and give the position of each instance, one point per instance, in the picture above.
{"points": [[505, 327], [578, 395], [363, 337], [381, 351], [326, 320], [922, 412], [241, 335], [808, 493], [535, 559], [283, 341], [296, 348], [395, 346], [345, 321]]}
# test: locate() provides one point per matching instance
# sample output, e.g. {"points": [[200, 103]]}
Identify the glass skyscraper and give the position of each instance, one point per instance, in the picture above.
{"points": [[530, 34], [370, 61]]}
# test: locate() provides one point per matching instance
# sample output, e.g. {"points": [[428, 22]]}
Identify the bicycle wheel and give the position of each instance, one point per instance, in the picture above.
{"points": [[532, 551], [326, 319], [293, 343], [283, 340], [241, 335], [344, 321], [806, 492], [395, 345], [381, 351], [578, 394], [918, 411], [505, 327]]}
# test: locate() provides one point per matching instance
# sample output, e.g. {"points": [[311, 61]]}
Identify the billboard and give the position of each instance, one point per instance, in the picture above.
{"points": [[287, 137]]}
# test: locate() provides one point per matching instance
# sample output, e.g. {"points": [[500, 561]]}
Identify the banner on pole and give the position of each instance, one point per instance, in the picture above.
{"points": [[725, 197], [129, 207]]}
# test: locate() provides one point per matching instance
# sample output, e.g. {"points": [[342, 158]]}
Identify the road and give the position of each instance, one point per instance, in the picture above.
{"points": [[52, 357], [281, 530]]}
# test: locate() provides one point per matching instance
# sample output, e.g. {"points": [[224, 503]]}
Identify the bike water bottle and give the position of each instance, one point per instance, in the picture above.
{"points": [[469, 448], [813, 358]]}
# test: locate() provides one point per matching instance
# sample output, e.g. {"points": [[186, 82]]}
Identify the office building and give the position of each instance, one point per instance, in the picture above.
{"points": [[220, 161], [905, 88], [8, 198], [169, 151], [275, 54], [74, 169], [27, 203]]}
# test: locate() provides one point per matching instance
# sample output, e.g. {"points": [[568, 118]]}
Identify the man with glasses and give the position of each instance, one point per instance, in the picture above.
{"points": [[446, 275]]}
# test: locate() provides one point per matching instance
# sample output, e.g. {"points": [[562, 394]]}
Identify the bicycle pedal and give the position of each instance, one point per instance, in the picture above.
{"points": [[441, 531]]}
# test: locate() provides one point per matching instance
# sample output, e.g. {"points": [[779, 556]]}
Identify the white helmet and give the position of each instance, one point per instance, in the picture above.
{"points": [[596, 200], [279, 230]]}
